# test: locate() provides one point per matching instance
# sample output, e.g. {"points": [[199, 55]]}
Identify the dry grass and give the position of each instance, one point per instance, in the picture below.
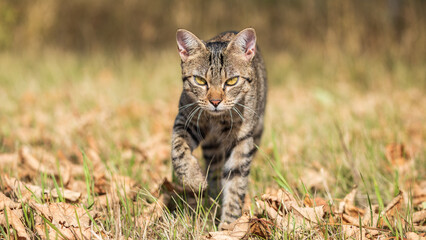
{"points": [[328, 122]]}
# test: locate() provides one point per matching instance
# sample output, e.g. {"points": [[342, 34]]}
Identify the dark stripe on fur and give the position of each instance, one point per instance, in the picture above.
{"points": [[231, 173], [211, 146], [231, 215], [193, 136], [250, 153]]}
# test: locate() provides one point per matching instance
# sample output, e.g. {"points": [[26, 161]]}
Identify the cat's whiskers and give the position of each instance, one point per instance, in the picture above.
{"points": [[238, 112], [191, 115], [186, 106], [198, 126], [249, 108], [232, 122]]}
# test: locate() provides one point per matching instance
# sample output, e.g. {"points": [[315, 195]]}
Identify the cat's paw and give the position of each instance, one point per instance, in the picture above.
{"points": [[195, 180]]}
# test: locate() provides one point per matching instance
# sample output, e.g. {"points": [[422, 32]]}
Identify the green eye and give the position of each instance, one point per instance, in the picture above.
{"points": [[232, 81], [200, 80]]}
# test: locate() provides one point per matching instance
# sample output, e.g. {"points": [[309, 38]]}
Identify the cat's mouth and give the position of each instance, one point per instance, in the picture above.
{"points": [[216, 111]]}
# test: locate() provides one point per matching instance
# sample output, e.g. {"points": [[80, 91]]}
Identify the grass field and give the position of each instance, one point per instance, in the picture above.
{"points": [[92, 123]]}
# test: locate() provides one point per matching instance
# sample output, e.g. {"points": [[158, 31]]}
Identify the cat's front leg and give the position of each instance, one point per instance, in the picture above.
{"points": [[235, 177], [186, 166]]}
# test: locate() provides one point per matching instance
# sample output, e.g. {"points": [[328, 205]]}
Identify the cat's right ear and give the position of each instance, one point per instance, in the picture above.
{"points": [[188, 44]]}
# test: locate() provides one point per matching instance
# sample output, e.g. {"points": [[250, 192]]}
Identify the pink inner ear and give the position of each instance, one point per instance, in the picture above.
{"points": [[183, 53], [250, 47], [182, 41]]}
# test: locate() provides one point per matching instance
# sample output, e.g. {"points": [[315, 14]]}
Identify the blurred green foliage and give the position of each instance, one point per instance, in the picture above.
{"points": [[358, 26]]}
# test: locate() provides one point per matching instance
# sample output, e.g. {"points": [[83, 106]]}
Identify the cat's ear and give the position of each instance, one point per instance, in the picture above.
{"points": [[244, 43], [188, 44]]}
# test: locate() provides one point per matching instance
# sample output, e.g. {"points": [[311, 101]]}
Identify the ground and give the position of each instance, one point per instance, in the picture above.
{"points": [[100, 125]]}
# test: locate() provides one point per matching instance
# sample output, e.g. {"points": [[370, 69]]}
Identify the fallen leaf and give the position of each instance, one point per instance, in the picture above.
{"points": [[282, 201], [123, 185], [66, 194], [235, 231], [371, 216], [419, 193], [353, 232], [45, 165], [260, 227], [397, 154], [316, 178], [414, 236], [419, 216], [71, 220], [307, 201], [24, 190], [288, 215], [6, 202], [154, 210], [28, 190], [14, 221], [392, 208], [348, 200], [9, 159], [399, 157]]}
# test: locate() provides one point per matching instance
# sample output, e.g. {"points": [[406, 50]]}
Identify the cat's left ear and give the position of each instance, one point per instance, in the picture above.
{"points": [[244, 43]]}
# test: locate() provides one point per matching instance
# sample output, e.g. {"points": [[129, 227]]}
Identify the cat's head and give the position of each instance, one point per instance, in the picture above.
{"points": [[218, 73]]}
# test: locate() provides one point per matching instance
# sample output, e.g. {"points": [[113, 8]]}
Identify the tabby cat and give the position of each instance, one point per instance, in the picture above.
{"points": [[221, 107]]}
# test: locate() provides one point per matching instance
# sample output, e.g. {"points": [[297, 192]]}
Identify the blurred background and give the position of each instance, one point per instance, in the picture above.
{"points": [[390, 27]]}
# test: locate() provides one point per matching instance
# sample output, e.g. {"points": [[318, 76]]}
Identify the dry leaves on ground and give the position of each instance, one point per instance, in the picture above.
{"points": [[285, 214], [13, 219], [69, 221], [244, 228]]}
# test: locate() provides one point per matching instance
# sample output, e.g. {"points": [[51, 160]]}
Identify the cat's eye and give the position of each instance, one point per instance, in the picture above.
{"points": [[200, 80], [232, 81]]}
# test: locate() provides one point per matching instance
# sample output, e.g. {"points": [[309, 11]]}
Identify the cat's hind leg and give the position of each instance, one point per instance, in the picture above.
{"points": [[213, 155], [235, 175]]}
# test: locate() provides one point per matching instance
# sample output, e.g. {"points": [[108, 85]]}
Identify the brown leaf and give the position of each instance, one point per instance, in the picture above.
{"points": [[397, 154], [282, 201], [71, 220], [367, 220], [353, 232], [392, 209], [26, 190], [154, 210], [395, 205], [316, 202], [315, 178], [45, 165], [6, 202], [14, 221], [9, 159], [419, 216], [414, 236], [294, 217], [98, 165], [123, 185], [348, 200], [66, 194], [314, 214], [63, 213], [235, 231], [419, 193], [260, 227], [399, 157]]}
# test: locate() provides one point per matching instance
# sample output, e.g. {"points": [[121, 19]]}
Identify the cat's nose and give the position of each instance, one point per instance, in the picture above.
{"points": [[215, 102]]}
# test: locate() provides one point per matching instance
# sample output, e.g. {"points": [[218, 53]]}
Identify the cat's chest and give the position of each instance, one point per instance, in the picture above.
{"points": [[222, 125]]}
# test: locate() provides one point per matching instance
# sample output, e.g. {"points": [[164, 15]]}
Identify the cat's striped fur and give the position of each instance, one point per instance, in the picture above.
{"points": [[227, 121]]}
